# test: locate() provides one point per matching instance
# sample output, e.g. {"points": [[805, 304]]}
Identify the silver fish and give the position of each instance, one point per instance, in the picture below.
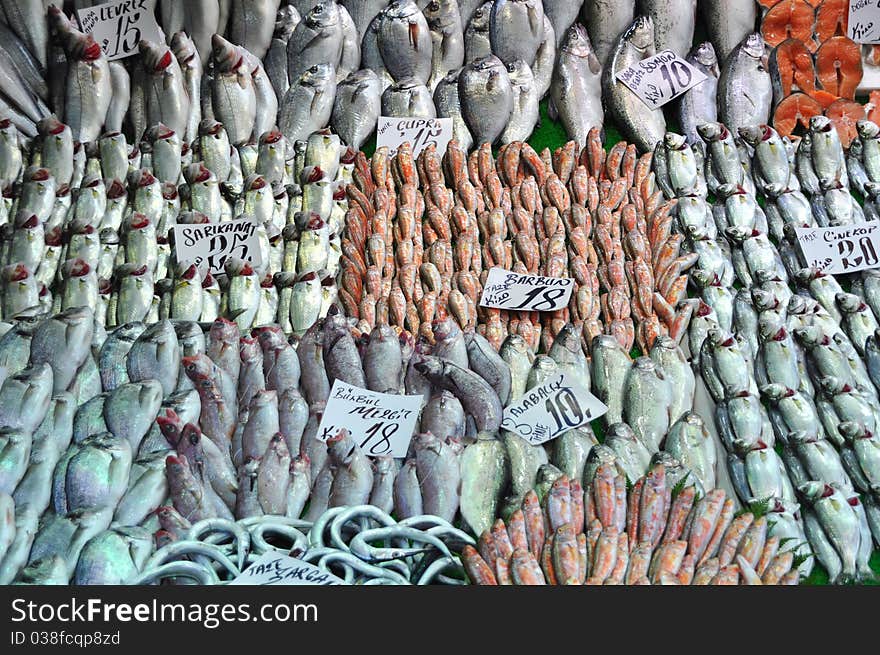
{"points": [[405, 41], [447, 38], [576, 86], [699, 105], [744, 90], [640, 124], [486, 97], [448, 105], [356, 107], [233, 96], [525, 114], [516, 29], [308, 104]]}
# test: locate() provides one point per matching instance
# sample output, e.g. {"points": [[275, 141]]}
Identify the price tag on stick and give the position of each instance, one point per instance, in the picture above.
{"points": [[420, 132], [661, 78], [209, 245], [526, 293], [842, 249], [381, 423], [119, 26], [548, 410], [275, 568], [863, 24]]}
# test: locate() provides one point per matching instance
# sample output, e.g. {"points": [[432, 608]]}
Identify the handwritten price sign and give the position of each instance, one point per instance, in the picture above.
{"points": [[381, 423], [118, 27], [548, 410], [209, 245], [274, 568], [526, 293], [419, 132], [864, 21], [843, 249], [661, 78]]}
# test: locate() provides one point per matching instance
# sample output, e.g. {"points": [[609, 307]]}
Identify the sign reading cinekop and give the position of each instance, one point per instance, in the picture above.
{"points": [[380, 423], [548, 410], [841, 249], [209, 245], [420, 132], [661, 78], [526, 293], [118, 27]]}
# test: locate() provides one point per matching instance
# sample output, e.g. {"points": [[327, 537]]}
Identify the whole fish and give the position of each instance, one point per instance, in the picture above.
{"points": [[699, 105], [404, 40], [316, 40], [483, 477], [448, 105], [191, 68], [356, 107], [476, 33], [640, 124], [486, 97], [88, 90], [478, 398], [308, 104], [647, 397], [744, 90], [516, 29], [525, 114], [439, 476], [275, 61], [447, 39], [167, 101], [576, 87], [233, 96]]}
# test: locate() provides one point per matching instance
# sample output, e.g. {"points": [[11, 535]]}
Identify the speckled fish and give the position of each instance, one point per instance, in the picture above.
{"points": [[576, 86], [640, 124], [744, 89]]}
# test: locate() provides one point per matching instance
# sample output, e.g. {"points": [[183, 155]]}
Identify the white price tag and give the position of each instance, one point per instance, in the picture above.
{"points": [[274, 568], [843, 249], [209, 245], [527, 293], [548, 410], [420, 132], [661, 78], [119, 26], [863, 24], [380, 423]]}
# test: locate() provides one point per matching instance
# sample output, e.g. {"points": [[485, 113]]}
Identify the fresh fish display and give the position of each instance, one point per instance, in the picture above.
{"points": [[160, 408], [651, 534]]}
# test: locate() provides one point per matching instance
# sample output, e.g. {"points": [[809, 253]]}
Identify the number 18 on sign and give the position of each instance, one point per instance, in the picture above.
{"points": [[548, 410], [380, 423]]}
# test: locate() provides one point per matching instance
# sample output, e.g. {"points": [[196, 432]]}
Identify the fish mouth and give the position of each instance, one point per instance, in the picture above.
{"points": [[92, 50], [706, 54], [754, 45]]}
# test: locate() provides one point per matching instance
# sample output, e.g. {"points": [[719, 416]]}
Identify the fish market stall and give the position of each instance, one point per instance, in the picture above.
{"points": [[515, 292]]}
